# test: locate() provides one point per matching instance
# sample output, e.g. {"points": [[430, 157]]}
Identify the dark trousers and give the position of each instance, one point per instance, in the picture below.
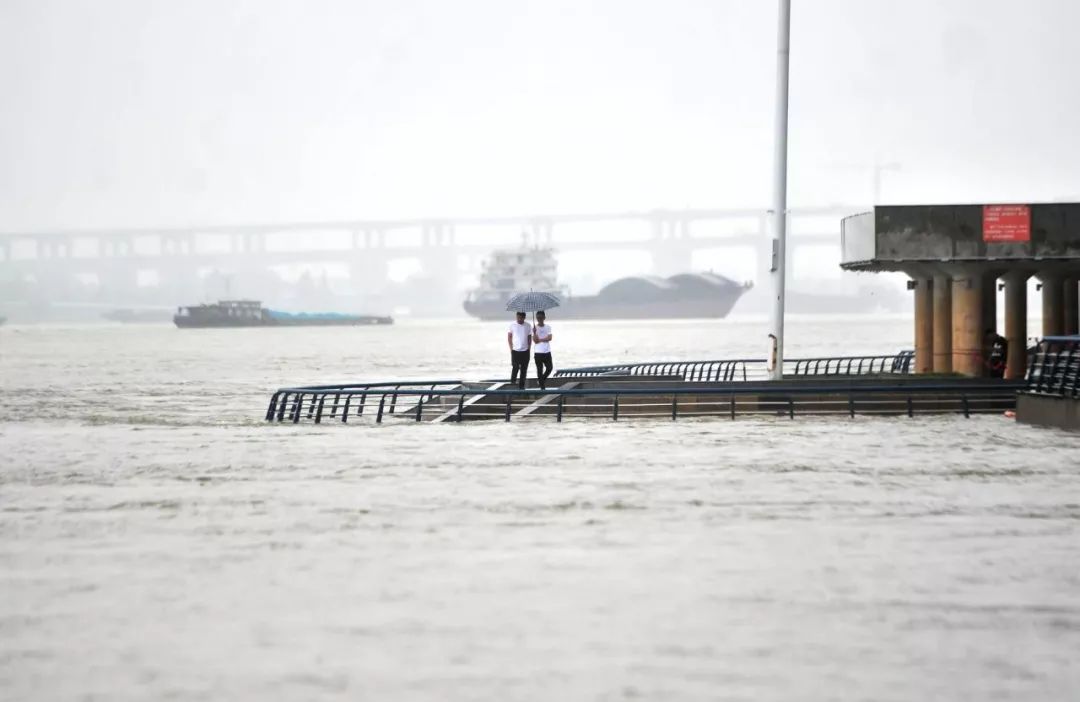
{"points": [[519, 361], [543, 368]]}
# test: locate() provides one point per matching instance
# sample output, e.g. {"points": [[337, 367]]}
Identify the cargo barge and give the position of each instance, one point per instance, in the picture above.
{"points": [[685, 296], [251, 313]]}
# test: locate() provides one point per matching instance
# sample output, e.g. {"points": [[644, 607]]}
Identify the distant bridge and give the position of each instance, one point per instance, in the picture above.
{"points": [[366, 247]]}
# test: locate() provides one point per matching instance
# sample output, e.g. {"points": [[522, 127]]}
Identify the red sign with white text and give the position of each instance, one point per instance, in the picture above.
{"points": [[1006, 223]]}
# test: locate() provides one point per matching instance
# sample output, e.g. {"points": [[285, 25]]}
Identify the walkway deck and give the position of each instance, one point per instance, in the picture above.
{"points": [[658, 390]]}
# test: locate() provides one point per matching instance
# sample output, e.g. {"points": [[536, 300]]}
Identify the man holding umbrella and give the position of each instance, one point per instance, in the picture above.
{"points": [[519, 338]]}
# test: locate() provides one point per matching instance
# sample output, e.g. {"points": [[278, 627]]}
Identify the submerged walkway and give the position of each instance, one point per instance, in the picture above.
{"points": [[878, 385]]}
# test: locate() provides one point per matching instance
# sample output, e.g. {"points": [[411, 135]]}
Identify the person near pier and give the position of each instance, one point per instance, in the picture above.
{"points": [[519, 339], [997, 353], [542, 352]]}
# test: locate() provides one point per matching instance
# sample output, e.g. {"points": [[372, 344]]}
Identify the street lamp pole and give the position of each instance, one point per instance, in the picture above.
{"points": [[778, 267]]}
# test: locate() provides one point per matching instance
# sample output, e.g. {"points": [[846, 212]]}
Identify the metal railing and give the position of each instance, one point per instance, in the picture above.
{"points": [[690, 371], [417, 401], [747, 369], [1054, 367], [349, 398]]}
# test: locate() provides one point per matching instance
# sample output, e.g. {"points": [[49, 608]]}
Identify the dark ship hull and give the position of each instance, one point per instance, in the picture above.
{"points": [[229, 314], [686, 296]]}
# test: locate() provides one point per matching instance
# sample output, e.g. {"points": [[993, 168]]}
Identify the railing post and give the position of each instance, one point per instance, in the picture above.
{"points": [[910, 407], [311, 407], [382, 402], [272, 407], [791, 407], [1029, 376], [964, 400], [360, 409], [460, 407], [281, 407], [733, 407], [558, 412], [333, 407], [1076, 376], [507, 418], [299, 408], [345, 411], [393, 400], [1046, 379], [674, 407], [1070, 355], [419, 408], [851, 405], [318, 415]]}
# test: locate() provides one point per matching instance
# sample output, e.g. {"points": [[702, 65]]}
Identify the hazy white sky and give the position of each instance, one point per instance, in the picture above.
{"points": [[150, 112]]}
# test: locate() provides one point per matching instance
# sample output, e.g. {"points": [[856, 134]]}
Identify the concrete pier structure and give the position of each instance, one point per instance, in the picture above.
{"points": [[967, 324], [1053, 304], [1070, 296], [989, 300], [1016, 322], [969, 248], [924, 325], [942, 324]]}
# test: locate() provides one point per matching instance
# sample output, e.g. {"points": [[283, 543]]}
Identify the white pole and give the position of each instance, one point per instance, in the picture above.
{"points": [[779, 212]]}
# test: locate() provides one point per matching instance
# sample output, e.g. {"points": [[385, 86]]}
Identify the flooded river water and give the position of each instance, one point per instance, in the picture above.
{"points": [[159, 540]]}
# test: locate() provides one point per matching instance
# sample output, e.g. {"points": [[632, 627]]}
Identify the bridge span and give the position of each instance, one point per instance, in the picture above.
{"points": [[446, 249]]}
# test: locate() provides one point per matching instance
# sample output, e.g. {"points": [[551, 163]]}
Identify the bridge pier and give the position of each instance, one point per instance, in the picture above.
{"points": [[1070, 300], [967, 323], [368, 238], [1016, 323], [672, 247], [436, 234], [942, 323], [540, 232], [1053, 309], [924, 324]]}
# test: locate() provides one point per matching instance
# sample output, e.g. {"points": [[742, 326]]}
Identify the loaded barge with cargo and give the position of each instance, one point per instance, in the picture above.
{"points": [[251, 313], [685, 296]]}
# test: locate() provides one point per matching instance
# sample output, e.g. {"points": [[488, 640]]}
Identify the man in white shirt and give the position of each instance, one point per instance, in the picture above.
{"points": [[519, 339], [542, 351]]}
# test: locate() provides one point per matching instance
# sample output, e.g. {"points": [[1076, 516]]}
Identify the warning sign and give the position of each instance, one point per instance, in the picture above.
{"points": [[1006, 223]]}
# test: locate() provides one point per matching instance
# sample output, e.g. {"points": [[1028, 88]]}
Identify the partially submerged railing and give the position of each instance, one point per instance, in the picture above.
{"points": [[747, 369], [1054, 367], [290, 404], [419, 403]]}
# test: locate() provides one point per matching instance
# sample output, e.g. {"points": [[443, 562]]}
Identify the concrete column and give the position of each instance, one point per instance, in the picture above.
{"points": [[1053, 312], [1016, 324], [942, 332], [924, 325], [967, 325], [1070, 298], [989, 302]]}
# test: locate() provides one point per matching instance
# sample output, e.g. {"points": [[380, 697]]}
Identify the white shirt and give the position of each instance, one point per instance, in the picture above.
{"points": [[543, 332], [521, 333]]}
